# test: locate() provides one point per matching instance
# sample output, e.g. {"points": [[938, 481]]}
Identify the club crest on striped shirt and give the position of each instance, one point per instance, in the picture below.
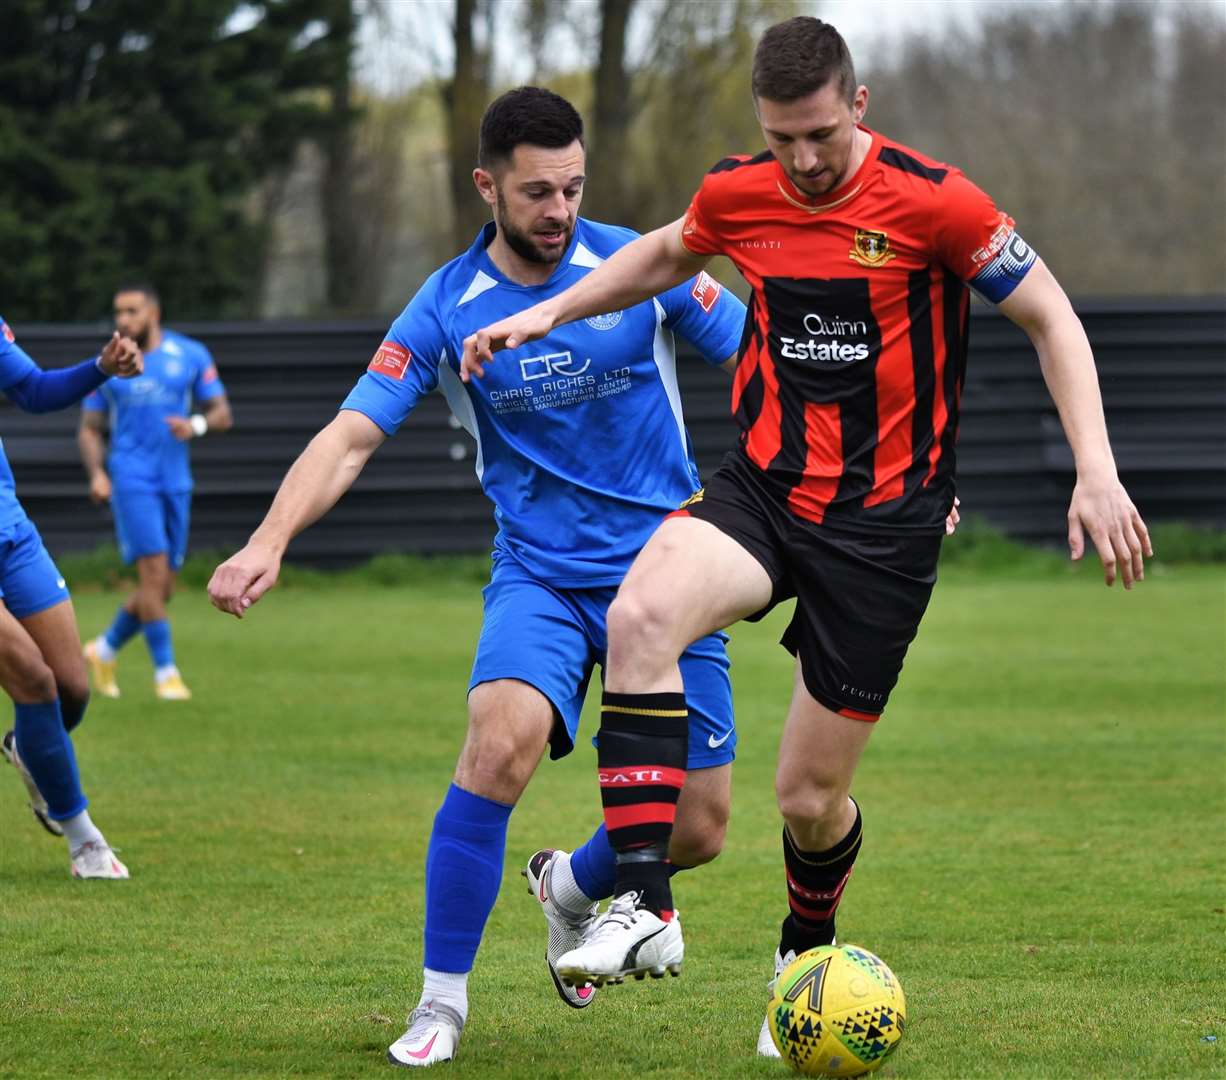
{"points": [[871, 247]]}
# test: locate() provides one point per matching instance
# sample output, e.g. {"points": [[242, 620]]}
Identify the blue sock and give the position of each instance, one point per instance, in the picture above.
{"points": [[157, 637], [595, 866], [463, 875], [46, 750], [122, 630]]}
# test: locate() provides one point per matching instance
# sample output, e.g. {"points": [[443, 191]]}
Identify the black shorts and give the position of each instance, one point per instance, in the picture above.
{"points": [[859, 595]]}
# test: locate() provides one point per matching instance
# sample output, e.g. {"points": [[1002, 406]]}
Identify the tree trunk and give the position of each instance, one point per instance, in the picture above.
{"points": [[465, 101], [606, 194], [342, 257]]}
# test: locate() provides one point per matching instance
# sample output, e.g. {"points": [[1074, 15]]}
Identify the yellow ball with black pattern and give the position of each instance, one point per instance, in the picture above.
{"points": [[837, 1011]]}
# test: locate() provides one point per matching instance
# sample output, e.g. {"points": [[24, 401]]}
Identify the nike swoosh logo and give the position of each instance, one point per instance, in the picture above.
{"points": [[425, 1050], [59, 583], [715, 743]]}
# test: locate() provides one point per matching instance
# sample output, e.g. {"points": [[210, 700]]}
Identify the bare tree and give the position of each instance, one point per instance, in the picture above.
{"points": [[465, 98], [613, 112], [342, 254]]}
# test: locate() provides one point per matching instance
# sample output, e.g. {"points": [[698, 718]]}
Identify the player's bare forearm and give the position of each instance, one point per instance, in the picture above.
{"points": [[1100, 506], [322, 474], [218, 415], [644, 268], [324, 471], [1039, 306], [91, 444]]}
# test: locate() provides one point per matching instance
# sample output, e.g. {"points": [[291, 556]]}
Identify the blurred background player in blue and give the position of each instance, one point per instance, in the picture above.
{"points": [[582, 448], [149, 484], [40, 656]]}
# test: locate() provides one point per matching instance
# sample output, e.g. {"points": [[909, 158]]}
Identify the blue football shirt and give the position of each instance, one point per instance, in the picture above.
{"points": [[144, 455], [581, 444], [15, 365]]}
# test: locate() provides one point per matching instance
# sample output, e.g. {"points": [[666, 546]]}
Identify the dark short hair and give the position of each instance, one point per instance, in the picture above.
{"points": [[527, 114], [797, 57], [140, 287]]}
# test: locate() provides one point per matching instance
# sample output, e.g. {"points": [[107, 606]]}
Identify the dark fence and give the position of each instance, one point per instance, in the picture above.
{"points": [[1162, 365]]}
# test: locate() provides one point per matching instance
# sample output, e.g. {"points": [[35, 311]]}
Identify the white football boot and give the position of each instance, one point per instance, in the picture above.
{"points": [[433, 1035], [565, 932], [94, 859], [766, 1045], [38, 805], [625, 940]]}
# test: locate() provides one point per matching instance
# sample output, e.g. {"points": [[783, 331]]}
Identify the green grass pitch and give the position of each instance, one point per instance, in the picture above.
{"points": [[1045, 806]]}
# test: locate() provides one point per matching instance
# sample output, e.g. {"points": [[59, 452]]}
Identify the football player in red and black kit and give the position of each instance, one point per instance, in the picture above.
{"points": [[860, 252]]}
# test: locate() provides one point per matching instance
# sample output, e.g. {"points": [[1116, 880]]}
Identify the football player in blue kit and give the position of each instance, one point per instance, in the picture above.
{"points": [[149, 484], [582, 448], [40, 657]]}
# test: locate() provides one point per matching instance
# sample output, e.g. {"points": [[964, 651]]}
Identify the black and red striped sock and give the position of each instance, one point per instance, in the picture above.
{"points": [[816, 880], [641, 755]]}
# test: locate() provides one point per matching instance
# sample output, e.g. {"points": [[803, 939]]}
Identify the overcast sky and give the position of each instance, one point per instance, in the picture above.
{"points": [[414, 39], [411, 40]]}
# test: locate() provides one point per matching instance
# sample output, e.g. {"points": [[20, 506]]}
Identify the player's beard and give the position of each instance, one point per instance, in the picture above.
{"points": [[522, 243], [141, 336]]}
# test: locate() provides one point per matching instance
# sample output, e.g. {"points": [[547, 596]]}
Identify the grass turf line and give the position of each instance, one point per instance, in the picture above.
{"points": [[1042, 864]]}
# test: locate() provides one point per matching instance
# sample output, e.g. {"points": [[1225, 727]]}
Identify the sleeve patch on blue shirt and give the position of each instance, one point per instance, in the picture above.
{"points": [[706, 291]]}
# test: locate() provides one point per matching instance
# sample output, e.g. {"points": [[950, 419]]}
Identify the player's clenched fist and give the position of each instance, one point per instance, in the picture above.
{"points": [[242, 579], [508, 333], [121, 356]]}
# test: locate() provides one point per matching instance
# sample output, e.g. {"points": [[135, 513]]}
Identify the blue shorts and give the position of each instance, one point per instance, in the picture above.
{"points": [[29, 580], [552, 638], [152, 523]]}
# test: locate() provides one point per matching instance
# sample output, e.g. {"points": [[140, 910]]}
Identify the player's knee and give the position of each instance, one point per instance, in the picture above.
{"points": [[30, 680], [690, 848], [500, 752], [497, 767], [806, 803], [638, 627]]}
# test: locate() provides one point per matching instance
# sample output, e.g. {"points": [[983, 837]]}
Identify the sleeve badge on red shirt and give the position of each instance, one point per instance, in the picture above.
{"points": [[391, 359], [871, 247], [706, 291]]}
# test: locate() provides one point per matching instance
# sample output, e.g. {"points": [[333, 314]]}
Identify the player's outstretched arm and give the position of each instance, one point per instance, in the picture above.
{"points": [[642, 269], [1100, 506], [42, 391], [321, 475]]}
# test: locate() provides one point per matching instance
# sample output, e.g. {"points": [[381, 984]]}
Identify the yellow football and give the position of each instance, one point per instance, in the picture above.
{"points": [[837, 1011]]}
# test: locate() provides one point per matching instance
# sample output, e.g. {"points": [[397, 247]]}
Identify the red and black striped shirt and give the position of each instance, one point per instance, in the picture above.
{"points": [[854, 352]]}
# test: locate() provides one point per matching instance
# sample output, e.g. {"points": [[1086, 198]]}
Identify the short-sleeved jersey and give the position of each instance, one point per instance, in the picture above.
{"points": [[848, 385], [15, 365], [144, 454], [581, 444]]}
